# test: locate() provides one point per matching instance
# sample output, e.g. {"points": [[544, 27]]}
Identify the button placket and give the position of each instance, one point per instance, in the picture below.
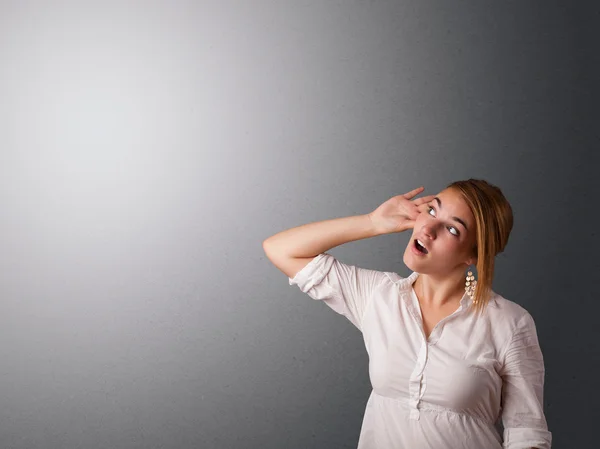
{"points": [[417, 383]]}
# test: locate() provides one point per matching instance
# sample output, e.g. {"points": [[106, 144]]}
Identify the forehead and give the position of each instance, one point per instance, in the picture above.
{"points": [[453, 198], [454, 204]]}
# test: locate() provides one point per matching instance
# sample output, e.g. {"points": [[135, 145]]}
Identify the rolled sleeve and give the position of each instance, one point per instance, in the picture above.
{"points": [[522, 374], [347, 289]]}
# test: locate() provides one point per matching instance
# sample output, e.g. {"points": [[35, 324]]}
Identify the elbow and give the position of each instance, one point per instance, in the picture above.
{"points": [[265, 246]]}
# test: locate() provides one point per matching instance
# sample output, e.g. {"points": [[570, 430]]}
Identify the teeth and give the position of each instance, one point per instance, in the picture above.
{"points": [[421, 247]]}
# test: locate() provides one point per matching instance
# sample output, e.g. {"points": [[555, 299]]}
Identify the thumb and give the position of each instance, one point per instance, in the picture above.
{"points": [[408, 224]]}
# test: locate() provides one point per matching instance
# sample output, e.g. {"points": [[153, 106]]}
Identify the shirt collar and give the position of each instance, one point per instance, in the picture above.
{"points": [[405, 284]]}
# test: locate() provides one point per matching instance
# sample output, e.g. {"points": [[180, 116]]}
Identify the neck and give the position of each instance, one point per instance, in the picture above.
{"points": [[439, 292]]}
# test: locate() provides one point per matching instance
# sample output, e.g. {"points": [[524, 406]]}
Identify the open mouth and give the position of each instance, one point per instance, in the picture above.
{"points": [[420, 247]]}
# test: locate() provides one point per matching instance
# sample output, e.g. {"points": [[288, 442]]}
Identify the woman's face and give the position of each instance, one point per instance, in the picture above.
{"points": [[446, 227]]}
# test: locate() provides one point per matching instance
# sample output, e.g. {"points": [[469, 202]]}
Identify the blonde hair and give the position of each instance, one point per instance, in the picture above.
{"points": [[493, 221]]}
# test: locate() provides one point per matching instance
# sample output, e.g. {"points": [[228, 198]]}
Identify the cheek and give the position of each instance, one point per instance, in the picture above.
{"points": [[464, 249], [452, 244]]}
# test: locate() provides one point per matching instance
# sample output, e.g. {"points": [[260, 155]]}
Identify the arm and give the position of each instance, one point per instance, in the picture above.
{"points": [[522, 375], [301, 254], [294, 248]]}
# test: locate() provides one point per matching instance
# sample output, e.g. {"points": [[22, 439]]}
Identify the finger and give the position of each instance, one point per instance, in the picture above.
{"points": [[414, 192], [421, 207], [424, 199], [409, 224], [413, 212]]}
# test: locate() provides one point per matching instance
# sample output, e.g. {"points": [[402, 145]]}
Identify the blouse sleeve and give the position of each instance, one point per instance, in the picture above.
{"points": [[522, 374], [345, 288]]}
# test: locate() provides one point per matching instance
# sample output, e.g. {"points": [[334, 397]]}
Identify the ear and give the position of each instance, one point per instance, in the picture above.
{"points": [[471, 261]]}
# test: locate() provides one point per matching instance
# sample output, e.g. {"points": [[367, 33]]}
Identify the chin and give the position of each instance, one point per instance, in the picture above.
{"points": [[409, 261]]}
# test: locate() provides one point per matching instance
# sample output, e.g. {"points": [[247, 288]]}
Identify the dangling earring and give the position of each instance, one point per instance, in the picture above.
{"points": [[470, 285]]}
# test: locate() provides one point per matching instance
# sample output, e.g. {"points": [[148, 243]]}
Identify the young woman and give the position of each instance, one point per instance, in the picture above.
{"points": [[448, 357]]}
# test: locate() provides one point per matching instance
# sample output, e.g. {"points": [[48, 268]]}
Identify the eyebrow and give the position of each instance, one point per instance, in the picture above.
{"points": [[454, 218]]}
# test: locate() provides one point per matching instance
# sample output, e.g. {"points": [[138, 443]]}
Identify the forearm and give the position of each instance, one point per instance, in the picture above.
{"points": [[315, 238]]}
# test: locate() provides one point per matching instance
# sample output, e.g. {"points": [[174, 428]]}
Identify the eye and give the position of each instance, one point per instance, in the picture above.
{"points": [[451, 229]]}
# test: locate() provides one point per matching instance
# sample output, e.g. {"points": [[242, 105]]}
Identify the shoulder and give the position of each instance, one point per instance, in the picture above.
{"points": [[508, 308], [507, 315], [399, 282]]}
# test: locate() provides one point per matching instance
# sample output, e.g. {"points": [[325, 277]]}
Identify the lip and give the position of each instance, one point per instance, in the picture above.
{"points": [[415, 250], [418, 237]]}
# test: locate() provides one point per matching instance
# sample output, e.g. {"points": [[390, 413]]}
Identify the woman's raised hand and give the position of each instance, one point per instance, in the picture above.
{"points": [[399, 212]]}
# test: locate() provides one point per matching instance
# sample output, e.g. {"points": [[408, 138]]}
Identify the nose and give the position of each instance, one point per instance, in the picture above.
{"points": [[429, 231]]}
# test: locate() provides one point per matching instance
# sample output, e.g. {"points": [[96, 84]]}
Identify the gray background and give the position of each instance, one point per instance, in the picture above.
{"points": [[147, 149]]}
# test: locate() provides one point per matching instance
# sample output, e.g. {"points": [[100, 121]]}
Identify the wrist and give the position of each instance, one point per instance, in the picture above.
{"points": [[375, 230]]}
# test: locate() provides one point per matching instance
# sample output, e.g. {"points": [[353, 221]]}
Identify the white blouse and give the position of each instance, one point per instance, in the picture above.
{"points": [[447, 391]]}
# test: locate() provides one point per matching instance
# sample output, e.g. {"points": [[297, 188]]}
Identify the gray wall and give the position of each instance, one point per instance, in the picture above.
{"points": [[147, 149]]}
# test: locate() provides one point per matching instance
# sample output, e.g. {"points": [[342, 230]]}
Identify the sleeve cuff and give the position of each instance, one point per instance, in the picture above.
{"points": [[313, 273], [526, 438]]}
